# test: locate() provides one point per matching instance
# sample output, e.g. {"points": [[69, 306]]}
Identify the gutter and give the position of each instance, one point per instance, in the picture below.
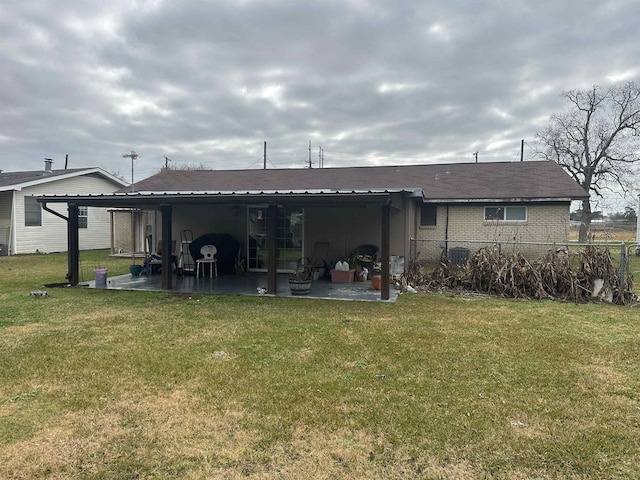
{"points": [[503, 200]]}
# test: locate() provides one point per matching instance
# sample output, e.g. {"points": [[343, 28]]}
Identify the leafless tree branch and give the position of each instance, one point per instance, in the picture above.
{"points": [[597, 140]]}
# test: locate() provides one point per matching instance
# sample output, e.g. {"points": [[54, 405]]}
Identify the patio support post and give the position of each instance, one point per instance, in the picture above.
{"points": [[73, 246], [167, 254], [272, 249], [112, 234], [385, 250]]}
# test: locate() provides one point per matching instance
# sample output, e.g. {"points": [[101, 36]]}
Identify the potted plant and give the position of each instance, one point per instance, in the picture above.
{"points": [[300, 280], [376, 275], [135, 270]]}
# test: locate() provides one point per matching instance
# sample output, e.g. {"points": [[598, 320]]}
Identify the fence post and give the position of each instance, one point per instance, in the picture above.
{"points": [[623, 264]]}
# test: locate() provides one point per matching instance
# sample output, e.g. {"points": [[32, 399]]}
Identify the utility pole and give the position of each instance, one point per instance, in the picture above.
{"points": [[522, 150], [475, 154], [319, 157], [265, 156], [166, 162], [309, 154], [66, 161]]}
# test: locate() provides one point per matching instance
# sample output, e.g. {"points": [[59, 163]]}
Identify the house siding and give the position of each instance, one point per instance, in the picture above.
{"points": [[51, 236], [5, 222], [548, 224]]}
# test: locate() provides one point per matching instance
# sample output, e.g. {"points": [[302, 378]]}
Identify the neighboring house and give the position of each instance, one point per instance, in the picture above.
{"points": [[26, 227], [387, 206]]}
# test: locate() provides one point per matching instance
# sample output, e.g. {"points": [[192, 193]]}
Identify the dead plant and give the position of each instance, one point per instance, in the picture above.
{"points": [[560, 274]]}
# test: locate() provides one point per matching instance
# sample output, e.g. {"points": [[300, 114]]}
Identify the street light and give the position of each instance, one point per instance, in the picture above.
{"points": [[133, 155]]}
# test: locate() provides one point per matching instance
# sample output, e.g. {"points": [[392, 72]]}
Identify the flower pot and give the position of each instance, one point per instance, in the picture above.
{"points": [[299, 287], [135, 270], [376, 282]]}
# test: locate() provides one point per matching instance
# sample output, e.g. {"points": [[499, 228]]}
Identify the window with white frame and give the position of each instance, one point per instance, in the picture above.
{"points": [[32, 212], [83, 217], [506, 214]]}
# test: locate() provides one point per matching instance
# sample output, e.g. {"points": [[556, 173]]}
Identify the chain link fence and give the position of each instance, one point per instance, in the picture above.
{"points": [[431, 253]]}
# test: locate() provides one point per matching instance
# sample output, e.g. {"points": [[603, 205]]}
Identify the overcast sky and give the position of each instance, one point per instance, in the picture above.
{"points": [[372, 82]]}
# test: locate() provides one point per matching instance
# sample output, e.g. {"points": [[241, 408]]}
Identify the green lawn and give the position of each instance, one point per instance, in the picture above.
{"points": [[104, 384]]}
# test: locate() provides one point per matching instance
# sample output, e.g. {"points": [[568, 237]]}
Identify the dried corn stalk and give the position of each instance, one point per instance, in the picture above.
{"points": [[511, 275]]}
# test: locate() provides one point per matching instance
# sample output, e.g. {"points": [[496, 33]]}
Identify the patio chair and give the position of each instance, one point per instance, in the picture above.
{"points": [[366, 255], [209, 252], [155, 259]]}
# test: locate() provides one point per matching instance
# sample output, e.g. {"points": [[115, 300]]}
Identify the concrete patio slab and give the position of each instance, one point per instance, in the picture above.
{"points": [[249, 284]]}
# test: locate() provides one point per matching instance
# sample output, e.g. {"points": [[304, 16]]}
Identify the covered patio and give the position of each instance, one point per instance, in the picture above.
{"points": [[252, 284], [271, 277]]}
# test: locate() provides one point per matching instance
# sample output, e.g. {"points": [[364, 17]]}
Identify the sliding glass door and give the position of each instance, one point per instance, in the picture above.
{"points": [[290, 241]]}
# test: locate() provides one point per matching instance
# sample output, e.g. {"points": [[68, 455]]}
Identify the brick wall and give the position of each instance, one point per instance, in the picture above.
{"points": [[547, 224]]}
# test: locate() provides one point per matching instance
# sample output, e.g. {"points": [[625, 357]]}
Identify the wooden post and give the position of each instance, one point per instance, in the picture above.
{"points": [[167, 242], [272, 249], [385, 222], [133, 238], [73, 245], [112, 235]]}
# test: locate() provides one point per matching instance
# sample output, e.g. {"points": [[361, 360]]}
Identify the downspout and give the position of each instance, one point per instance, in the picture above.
{"points": [[57, 214], [446, 234]]}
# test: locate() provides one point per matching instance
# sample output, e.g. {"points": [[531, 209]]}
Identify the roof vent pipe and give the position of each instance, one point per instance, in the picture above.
{"points": [[47, 164]]}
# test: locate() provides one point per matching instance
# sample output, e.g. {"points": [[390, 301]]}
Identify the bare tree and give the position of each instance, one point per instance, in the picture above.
{"points": [[597, 140], [187, 166]]}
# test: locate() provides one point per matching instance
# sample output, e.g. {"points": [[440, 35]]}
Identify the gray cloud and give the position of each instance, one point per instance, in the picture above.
{"points": [[373, 82]]}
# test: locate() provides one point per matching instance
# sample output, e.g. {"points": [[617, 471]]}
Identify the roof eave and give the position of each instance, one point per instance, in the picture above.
{"points": [[150, 199]]}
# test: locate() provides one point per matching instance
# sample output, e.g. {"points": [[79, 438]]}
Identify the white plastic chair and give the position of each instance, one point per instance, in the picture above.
{"points": [[209, 252]]}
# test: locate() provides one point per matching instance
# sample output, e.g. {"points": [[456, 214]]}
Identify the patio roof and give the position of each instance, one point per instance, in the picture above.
{"points": [[298, 197]]}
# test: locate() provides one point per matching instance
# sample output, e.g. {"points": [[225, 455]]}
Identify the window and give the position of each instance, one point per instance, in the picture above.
{"points": [[83, 217], [32, 212], [507, 214], [428, 215]]}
